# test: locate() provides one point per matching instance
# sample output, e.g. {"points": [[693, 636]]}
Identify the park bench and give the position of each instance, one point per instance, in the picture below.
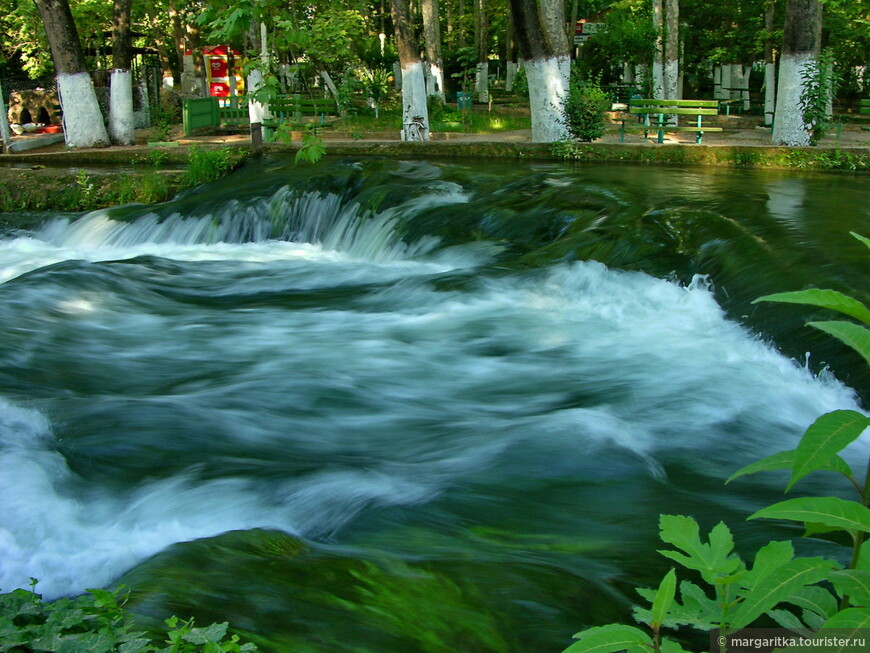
{"points": [[198, 113], [656, 113]]}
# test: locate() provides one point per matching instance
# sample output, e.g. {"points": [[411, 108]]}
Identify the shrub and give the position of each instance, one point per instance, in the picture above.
{"points": [[585, 109]]}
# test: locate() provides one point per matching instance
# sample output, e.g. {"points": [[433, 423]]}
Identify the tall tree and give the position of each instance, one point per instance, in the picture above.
{"points": [[415, 114], [432, 37], [121, 120], [82, 121], [802, 34], [543, 44], [769, 65], [481, 46], [671, 77], [658, 66]]}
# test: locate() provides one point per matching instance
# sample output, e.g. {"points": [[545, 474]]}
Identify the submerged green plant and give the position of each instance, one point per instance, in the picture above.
{"points": [[778, 585]]}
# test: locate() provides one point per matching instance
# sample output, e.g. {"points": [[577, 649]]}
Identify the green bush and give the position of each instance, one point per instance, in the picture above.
{"points": [[585, 109], [96, 622]]}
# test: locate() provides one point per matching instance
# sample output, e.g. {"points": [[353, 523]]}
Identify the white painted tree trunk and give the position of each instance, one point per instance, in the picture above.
{"points": [[481, 82], [658, 66], [510, 75], [4, 124], [789, 127], [414, 102], [769, 93], [435, 80], [548, 87], [121, 117], [672, 80], [257, 111], [82, 120]]}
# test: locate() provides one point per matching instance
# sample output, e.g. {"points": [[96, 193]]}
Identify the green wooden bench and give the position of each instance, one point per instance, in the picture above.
{"points": [[198, 113], [293, 108], [649, 109]]}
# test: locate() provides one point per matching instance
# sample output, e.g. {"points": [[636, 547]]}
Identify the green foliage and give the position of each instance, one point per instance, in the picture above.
{"points": [[819, 84], [585, 109], [312, 149], [96, 622], [800, 593], [209, 164]]}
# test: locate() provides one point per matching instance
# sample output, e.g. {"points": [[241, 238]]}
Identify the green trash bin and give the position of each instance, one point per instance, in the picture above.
{"points": [[463, 100]]}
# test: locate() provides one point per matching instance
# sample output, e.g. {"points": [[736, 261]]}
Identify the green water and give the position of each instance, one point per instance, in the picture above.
{"points": [[389, 405]]}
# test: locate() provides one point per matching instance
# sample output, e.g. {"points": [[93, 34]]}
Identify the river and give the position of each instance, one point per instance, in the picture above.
{"points": [[381, 405]]}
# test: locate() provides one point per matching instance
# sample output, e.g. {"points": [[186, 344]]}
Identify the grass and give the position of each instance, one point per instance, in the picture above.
{"points": [[443, 118]]}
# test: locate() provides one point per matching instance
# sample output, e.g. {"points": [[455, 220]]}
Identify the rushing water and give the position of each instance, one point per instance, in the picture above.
{"points": [[468, 388]]}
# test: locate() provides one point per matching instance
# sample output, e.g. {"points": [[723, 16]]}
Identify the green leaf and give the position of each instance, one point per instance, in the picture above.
{"points": [[854, 583], [851, 618], [212, 633], [769, 558], [611, 638], [663, 599], [670, 646], [785, 460], [830, 299], [827, 436], [854, 335], [864, 556], [815, 600], [866, 241], [712, 560], [778, 586], [787, 619], [830, 511]]}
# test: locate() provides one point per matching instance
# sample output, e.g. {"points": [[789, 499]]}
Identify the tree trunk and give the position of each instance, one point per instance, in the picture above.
{"points": [[543, 45], [671, 73], [800, 45], [121, 121], [200, 80], [82, 121], [4, 123], [658, 67], [510, 57], [415, 114], [481, 43], [258, 111], [432, 36], [769, 65]]}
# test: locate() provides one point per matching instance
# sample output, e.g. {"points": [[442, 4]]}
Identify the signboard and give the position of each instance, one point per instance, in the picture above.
{"points": [[584, 31]]}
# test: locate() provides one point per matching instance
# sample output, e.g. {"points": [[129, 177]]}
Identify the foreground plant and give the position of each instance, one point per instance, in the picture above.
{"points": [[96, 622], [786, 589]]}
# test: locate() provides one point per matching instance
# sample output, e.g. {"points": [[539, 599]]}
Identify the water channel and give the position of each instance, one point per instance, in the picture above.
{"points": [[381, 405]]}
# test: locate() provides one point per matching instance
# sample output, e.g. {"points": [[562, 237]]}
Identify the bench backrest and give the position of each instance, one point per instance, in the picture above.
{"points": [[286, 106], [674, 107], [865, 107]]}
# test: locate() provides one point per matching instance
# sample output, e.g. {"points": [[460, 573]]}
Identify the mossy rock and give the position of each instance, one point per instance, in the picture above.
{"points": [[293, 596]]}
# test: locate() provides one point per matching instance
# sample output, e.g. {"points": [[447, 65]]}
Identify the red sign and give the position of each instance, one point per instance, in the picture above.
{"points": [[219, 89], [218, 66]]}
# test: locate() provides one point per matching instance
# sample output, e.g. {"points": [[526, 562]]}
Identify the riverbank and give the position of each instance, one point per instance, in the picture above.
{"points": [[54, 178]]}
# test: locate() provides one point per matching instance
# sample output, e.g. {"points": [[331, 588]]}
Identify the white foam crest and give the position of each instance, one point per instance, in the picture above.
{"points": [[71, 538]]}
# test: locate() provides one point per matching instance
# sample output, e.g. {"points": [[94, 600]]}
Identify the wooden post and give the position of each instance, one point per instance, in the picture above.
{"points": [[257, 138]]}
